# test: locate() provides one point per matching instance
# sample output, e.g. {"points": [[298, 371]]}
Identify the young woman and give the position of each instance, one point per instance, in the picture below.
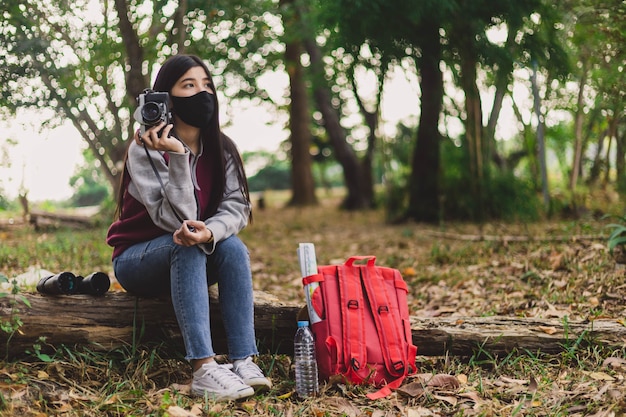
{"points": [[183, 199]]}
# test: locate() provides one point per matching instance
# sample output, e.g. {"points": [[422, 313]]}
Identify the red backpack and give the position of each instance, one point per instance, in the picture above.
{"points": [[360, 320]]}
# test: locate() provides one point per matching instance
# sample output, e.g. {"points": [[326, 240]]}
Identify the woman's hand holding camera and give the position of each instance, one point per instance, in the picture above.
{"points": [[192, 232], [162, 142]]}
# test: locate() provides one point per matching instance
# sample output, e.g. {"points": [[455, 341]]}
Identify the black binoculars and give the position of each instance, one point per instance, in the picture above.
{"points": [[67, 283]]}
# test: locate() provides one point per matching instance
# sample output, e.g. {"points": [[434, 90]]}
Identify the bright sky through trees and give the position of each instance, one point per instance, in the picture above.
{"points": [[43, 160]]}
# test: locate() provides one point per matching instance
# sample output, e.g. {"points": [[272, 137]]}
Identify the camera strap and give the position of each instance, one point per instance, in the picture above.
{"points": [[156, 172]]}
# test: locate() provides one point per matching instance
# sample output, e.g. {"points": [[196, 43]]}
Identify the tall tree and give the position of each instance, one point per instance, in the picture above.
{"points": [[332, 76], [598, 36], [89, 65], [455, 31], [424, 204], [303, 185], [357, 176], [530, 27], [413, 34]]}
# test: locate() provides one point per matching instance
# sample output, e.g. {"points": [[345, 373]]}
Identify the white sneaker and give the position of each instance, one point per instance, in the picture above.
{"points": [[219, 383], [251, 374]]}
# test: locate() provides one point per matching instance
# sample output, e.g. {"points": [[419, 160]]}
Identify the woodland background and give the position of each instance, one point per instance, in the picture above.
{"points": [[551, 175], [558, 67]]}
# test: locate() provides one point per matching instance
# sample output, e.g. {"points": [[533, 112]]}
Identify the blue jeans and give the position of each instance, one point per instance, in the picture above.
{"points": [[161, 267]]}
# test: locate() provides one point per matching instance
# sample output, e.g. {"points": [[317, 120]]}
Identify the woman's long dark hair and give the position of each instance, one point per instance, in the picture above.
{"points": [[214, 140]]}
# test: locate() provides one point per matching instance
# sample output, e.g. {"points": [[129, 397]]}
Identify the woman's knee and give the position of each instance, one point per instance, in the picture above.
{"points": [[231, 248], [192, 256]]}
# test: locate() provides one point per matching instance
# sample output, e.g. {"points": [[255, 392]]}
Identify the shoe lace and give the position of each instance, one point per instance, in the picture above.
{"points": [[223, 375], [248, 369]]}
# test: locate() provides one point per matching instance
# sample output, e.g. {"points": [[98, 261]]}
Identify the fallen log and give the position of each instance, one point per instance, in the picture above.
{"points": [[511, 238], [501, 335], [117, 319], [48, 220]]}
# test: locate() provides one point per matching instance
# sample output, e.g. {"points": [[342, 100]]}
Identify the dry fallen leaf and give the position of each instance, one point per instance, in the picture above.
{"points": [[444, 381], [557, 262], [508, 380], [447, 398], [176, 411], [615, 394], [412, 389], [18, 394], [472, 395], [409, 272], [438, 380], [599, 376], [603, 413], [614, 362], [343, 406], [419, 412], [64, 407], [548, 330], [182, 388]]}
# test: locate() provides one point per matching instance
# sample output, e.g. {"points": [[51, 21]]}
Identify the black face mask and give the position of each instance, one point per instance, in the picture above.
{"points": [[196, 110]]}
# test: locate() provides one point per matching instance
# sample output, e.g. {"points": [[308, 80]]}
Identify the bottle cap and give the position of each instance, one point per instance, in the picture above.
{"points": [[303, 323]]}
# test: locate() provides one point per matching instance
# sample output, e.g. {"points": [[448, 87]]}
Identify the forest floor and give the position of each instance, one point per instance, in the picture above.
{"points": [[553, 269]]}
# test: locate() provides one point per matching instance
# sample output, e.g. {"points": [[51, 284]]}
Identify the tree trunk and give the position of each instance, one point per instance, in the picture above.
{"points": [[136, 81], [371, 120], [578, 129], [424, 205], [353, 174], [599, 163], [473, 125], [620, 163], [302, 182], [609, 152], [620, 150], [502, 81], [541, 145], [119, 319]]}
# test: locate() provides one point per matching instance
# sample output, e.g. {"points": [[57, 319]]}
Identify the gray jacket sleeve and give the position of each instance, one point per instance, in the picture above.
{"points": [[176, 177], [232, 213]]}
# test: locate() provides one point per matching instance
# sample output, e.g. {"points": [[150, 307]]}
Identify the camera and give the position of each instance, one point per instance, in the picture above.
{"points": [[153, 109], [67, 283]]}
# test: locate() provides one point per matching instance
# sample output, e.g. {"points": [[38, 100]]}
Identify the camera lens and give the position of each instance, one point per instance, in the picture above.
{"points": [[151, 113]]}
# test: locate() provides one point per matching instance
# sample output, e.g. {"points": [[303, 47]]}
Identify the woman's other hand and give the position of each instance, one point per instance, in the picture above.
{"points": [[191, 233]]}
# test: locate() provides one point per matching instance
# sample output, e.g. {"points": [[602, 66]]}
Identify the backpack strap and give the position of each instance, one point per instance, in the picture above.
{"points": [[353, 320], [387, 320], [402, 291]]}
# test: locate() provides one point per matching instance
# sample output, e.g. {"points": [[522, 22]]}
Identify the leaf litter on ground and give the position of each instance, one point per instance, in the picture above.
{"points": [[451, 273]]}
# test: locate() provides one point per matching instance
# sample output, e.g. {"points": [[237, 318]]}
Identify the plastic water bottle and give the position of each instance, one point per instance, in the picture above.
{"points": [[306, 365]]}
